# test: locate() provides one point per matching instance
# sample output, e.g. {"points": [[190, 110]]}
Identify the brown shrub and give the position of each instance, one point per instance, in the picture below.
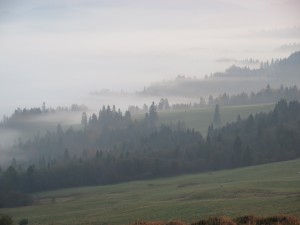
{"points": [[149, 223], [216, 221], [278, 220], [176, 222], [246, 220]]}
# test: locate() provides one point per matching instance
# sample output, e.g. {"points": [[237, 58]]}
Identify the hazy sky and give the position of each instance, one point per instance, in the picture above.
{"points": [[59, 50]]}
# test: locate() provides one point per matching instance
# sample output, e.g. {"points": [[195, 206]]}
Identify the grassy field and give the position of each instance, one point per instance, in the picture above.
{"points": [[201, 118], [261, 190]]}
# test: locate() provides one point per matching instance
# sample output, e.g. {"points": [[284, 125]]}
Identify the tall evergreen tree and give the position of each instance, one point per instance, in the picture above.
{"points": [[153, 117], [217, 117], [84, 119]]}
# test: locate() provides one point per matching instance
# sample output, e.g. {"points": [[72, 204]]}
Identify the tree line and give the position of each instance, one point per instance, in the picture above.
{"points": [[263, 96], [111, 148]]}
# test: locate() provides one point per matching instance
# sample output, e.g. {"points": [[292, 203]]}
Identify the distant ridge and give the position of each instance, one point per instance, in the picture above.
{"points": [[234, 80]]}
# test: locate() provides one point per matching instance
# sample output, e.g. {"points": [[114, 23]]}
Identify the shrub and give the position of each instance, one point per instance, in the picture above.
{"points": [[5, 220], [149, 223], [23, 222], [176, 222], [248, 220], [216, 221], [278, 220]]}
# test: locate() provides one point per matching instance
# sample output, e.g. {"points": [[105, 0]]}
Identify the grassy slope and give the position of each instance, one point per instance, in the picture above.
{"points": [[260, 190], [201, 118]]}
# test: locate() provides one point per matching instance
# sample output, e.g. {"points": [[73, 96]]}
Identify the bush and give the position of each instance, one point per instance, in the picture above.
{"points": [[216, 221], [5, 220], [249, 220], [278, 220], [176, 222], [148, 223], [23, 222]]}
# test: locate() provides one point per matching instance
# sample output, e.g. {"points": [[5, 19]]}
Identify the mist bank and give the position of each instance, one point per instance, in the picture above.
{"points": [[234, 80], [28, 123]]}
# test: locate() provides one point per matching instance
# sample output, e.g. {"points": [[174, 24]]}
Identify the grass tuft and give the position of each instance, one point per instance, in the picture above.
{"points": [[176, 222], [250, 220], [278, 220], [216, 221], [149, 223]]}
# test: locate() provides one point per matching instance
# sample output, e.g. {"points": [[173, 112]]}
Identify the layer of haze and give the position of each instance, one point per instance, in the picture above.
{"points": [[59, 51]]}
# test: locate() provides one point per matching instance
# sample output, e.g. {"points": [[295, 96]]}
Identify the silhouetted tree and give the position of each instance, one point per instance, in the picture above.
{"points": [[217, 117], [84, 119], [152, 116]]}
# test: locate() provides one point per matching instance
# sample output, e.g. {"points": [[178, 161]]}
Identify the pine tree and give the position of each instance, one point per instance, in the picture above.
{"points": [[84, 119], [217, 117]]}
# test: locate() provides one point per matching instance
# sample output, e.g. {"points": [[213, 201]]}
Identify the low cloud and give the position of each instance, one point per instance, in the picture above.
{"points": [[293, 47]]}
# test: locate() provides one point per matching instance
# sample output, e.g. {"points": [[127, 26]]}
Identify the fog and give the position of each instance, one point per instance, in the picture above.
{"points": [[8, 137], [60, 51]]}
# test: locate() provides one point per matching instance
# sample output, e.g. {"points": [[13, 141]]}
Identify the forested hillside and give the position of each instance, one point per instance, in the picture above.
{"points": [[233, 80], [112, 148]]}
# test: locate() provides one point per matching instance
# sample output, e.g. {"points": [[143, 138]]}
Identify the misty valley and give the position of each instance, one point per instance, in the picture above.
{"points": [[47, 149], [161, 112]]}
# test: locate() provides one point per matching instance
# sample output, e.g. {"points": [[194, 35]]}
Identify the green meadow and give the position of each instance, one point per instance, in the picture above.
{"points": [[262, 190]]}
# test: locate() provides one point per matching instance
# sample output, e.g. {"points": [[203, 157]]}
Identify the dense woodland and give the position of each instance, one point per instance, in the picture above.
{"points": [[112, 148]]}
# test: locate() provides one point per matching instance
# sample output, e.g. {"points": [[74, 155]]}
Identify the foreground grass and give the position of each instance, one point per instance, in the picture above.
{"points": [[261, 190], [244, 220]]}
